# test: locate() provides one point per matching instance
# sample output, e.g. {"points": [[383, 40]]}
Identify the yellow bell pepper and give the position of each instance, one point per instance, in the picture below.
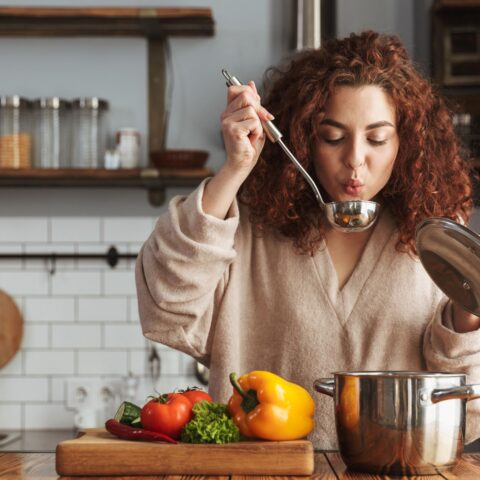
{"points": [[266, 406]]}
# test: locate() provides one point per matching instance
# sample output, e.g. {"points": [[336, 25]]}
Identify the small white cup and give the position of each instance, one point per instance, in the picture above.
{"points": [[128, 147]]}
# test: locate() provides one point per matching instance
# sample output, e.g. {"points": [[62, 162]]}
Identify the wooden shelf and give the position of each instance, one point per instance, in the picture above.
{"points": [[155, 181], [153, 24], [442, 4], [145, 22]]}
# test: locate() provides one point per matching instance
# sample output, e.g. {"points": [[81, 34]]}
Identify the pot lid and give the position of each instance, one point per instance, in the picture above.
{"points": [[450, 253]]}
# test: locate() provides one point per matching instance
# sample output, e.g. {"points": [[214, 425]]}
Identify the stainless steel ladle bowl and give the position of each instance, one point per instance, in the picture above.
{"points": [[348, 216]]}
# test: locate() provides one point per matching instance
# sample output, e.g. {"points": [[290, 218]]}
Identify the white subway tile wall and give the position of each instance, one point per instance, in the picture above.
{"points": [[81, 322]]}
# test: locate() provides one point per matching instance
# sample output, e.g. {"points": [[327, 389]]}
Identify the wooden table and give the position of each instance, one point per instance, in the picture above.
{"points": [[328, 466]]}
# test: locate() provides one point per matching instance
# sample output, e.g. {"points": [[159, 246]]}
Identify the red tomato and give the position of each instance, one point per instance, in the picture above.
{"points": [[196, 395], [167, 414]]}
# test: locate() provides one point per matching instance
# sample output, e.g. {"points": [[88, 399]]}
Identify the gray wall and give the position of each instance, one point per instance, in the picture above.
{"points": [[410, 19], [392, 16]]}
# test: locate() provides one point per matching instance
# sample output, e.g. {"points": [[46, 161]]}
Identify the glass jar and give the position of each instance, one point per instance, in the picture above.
{"points": [[51, 132], [89, 140], [15, 132]]}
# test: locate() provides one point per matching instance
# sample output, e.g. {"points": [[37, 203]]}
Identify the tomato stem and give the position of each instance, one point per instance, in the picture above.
{"points": [[191, 389]]}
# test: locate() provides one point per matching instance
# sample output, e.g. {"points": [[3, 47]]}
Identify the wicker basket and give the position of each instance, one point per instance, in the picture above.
{"points": [[179, 159]]}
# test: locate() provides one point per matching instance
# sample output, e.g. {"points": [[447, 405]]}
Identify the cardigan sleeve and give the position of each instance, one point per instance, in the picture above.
{"points": [[448, 351], [181, 273]]}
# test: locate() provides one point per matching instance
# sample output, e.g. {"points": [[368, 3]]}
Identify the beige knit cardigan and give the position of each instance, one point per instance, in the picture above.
{"points": [[239, 302]]}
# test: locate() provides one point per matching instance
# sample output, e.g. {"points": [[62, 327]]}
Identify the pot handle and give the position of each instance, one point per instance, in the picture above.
{"points": [[325, 385], [466, 392]]}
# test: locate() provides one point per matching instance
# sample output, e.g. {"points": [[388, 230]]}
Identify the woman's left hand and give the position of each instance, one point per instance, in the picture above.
{"points": [[464, 321]]}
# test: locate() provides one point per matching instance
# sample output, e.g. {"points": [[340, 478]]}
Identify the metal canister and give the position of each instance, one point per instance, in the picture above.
{"points": [[52, 132], [89, 141], [15, 132]]}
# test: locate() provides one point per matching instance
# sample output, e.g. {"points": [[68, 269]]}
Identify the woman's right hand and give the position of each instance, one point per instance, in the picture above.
{"points": [[242, 129], [244, 139]]}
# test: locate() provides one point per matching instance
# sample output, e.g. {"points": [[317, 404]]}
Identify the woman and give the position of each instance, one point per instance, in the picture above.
{"points": [[245, 273]]}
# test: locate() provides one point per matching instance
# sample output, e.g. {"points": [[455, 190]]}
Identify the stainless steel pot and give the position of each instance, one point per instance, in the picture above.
{"points": [[399, 423]]}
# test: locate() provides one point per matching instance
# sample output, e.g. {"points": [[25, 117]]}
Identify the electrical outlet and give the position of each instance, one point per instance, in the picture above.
{"points": [[96, 394], [83, 393], [109, 397]]}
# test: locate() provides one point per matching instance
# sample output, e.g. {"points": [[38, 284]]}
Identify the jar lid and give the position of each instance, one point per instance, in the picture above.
{"points": [[93, 103], [15, 101], [128, 131], [51, 102]]}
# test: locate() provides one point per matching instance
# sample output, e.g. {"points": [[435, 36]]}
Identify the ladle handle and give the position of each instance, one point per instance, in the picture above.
{"points": [[274, 135]]}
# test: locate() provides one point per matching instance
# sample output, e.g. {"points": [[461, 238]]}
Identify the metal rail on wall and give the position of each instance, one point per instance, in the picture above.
{"points": [[111, 256]]}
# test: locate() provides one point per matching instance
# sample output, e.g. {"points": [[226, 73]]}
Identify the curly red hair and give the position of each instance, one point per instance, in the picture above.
{"points": [[429, 179]]}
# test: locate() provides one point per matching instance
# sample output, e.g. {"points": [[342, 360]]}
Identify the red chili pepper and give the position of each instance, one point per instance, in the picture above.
{"points": [[132, 433]]}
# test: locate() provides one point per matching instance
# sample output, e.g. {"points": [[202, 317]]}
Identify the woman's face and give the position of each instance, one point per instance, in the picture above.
{"points": [[358, 143]]}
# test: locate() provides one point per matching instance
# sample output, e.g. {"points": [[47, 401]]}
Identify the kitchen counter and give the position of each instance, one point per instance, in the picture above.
{"points": [[44, 441], [31, 456], [36, 440], [328, 466]]}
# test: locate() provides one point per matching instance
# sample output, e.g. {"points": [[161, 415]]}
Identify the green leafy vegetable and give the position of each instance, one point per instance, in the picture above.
{"points": [[211, 423]]}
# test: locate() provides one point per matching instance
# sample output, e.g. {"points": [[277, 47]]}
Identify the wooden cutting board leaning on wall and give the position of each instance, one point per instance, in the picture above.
{"points": [[97, 452], [11, 328]]}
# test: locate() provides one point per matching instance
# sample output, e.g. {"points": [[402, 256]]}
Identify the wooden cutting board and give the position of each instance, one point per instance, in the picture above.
{"points": [[97, 452], [11, 328]]}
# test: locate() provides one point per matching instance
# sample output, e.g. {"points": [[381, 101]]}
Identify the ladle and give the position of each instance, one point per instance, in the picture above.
{"points": [[347, 216]]}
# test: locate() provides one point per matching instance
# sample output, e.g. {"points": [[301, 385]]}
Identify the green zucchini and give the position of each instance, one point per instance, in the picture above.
{"points": [[129, 414]]}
